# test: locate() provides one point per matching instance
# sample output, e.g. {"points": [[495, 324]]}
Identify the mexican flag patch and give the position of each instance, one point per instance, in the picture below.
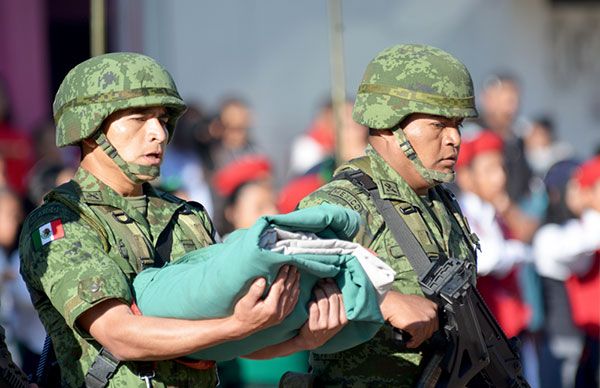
{"points": [[48, 232]]}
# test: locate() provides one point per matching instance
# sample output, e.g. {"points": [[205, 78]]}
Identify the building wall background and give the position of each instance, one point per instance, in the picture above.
{"points": [[276, 54]]}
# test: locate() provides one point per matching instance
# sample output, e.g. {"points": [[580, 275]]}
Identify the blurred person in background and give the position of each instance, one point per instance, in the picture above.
{"points": [[562, 342], [12, 339], [45, 149], [15, 146], [11, 216], [542, 149], [232, 128], [500, 264], [482, 179], [308, 150], [183, 167], [500, 101], [246, 185], [571, 252], [23, 324], [318, 143]]}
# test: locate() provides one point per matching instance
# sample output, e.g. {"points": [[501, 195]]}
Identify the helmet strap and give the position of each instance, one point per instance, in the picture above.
{"points": [[432, 177], [131, 170]]}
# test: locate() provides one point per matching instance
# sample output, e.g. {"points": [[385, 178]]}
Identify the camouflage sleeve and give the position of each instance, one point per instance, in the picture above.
{"points": [[70, 267]]}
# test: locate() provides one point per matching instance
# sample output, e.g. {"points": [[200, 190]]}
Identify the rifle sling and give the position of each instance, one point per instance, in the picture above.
{"points": [[411, 247]]}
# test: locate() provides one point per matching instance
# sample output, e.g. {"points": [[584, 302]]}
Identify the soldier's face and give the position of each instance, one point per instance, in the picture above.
{"points": [[435, 139], [139, 134]]}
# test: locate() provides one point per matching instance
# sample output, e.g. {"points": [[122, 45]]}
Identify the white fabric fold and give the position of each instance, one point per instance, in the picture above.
{"points": [[278, 240]]}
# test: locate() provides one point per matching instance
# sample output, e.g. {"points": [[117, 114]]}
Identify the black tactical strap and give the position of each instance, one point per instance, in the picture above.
{"points": [[48, 372], [413, 251], [102, 369], [164, 244]]}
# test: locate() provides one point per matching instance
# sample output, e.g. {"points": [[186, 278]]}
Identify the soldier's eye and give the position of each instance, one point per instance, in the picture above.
{"points": [[438, 125]]}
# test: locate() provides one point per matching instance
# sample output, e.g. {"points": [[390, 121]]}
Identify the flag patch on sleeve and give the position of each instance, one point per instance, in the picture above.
{"points": [[48, 232]]}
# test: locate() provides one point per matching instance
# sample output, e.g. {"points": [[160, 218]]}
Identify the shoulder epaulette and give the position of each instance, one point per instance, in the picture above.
{"points": [[66, 195]]}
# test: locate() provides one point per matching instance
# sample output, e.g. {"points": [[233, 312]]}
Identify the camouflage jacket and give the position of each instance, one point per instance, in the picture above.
{"points": [[438, 225], [74, 256]]}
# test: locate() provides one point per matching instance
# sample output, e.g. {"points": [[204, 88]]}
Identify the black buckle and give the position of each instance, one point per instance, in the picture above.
{"points": [[121, 216], [406, 210], [185, 210], [101, 370]]}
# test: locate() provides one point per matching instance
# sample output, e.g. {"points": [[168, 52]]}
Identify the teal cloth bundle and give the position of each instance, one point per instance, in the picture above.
{"points": [[208, 282]]}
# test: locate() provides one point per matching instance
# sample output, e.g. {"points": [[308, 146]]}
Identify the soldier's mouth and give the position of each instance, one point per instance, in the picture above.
{"points": [[153, 158], [448, 162]]}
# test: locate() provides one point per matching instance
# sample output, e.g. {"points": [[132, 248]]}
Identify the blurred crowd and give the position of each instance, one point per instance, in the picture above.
{"points": [[532, 200]]}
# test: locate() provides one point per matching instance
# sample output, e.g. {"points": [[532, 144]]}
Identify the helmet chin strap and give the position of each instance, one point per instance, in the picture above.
{"points": [[432, 177], [131, 170]]}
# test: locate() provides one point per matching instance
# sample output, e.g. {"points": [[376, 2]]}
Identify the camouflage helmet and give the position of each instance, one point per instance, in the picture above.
{"points": [[105, 84], [410, 78], [102, 85]]}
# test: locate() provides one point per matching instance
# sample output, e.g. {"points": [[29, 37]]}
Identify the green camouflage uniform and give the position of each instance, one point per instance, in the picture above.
{"points": [[438, 229], [401, 80], [72, 274], [86, 243]]}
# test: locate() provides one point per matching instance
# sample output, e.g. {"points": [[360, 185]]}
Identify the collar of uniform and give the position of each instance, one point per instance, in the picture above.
{"points": [[390, 184], [393, 187], [160, 210], [96, 192]]}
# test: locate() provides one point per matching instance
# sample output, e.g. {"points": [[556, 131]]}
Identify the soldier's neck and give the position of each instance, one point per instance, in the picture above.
{"points": [[387, 147], [100, 166]]}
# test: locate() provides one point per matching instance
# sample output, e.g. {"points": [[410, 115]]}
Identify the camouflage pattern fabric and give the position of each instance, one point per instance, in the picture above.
{"points": [[85, 265], [439, 229], [409, 78], [108, 83], [102, 85]]}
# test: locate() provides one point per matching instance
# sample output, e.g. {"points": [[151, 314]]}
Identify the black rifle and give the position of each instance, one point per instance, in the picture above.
{"points": [[11, 376], [477, 351], [473, 350]]}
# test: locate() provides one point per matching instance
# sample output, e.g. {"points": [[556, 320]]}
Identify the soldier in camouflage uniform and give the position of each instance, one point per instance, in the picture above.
{"points": [[82, 248], [413, 98]]}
